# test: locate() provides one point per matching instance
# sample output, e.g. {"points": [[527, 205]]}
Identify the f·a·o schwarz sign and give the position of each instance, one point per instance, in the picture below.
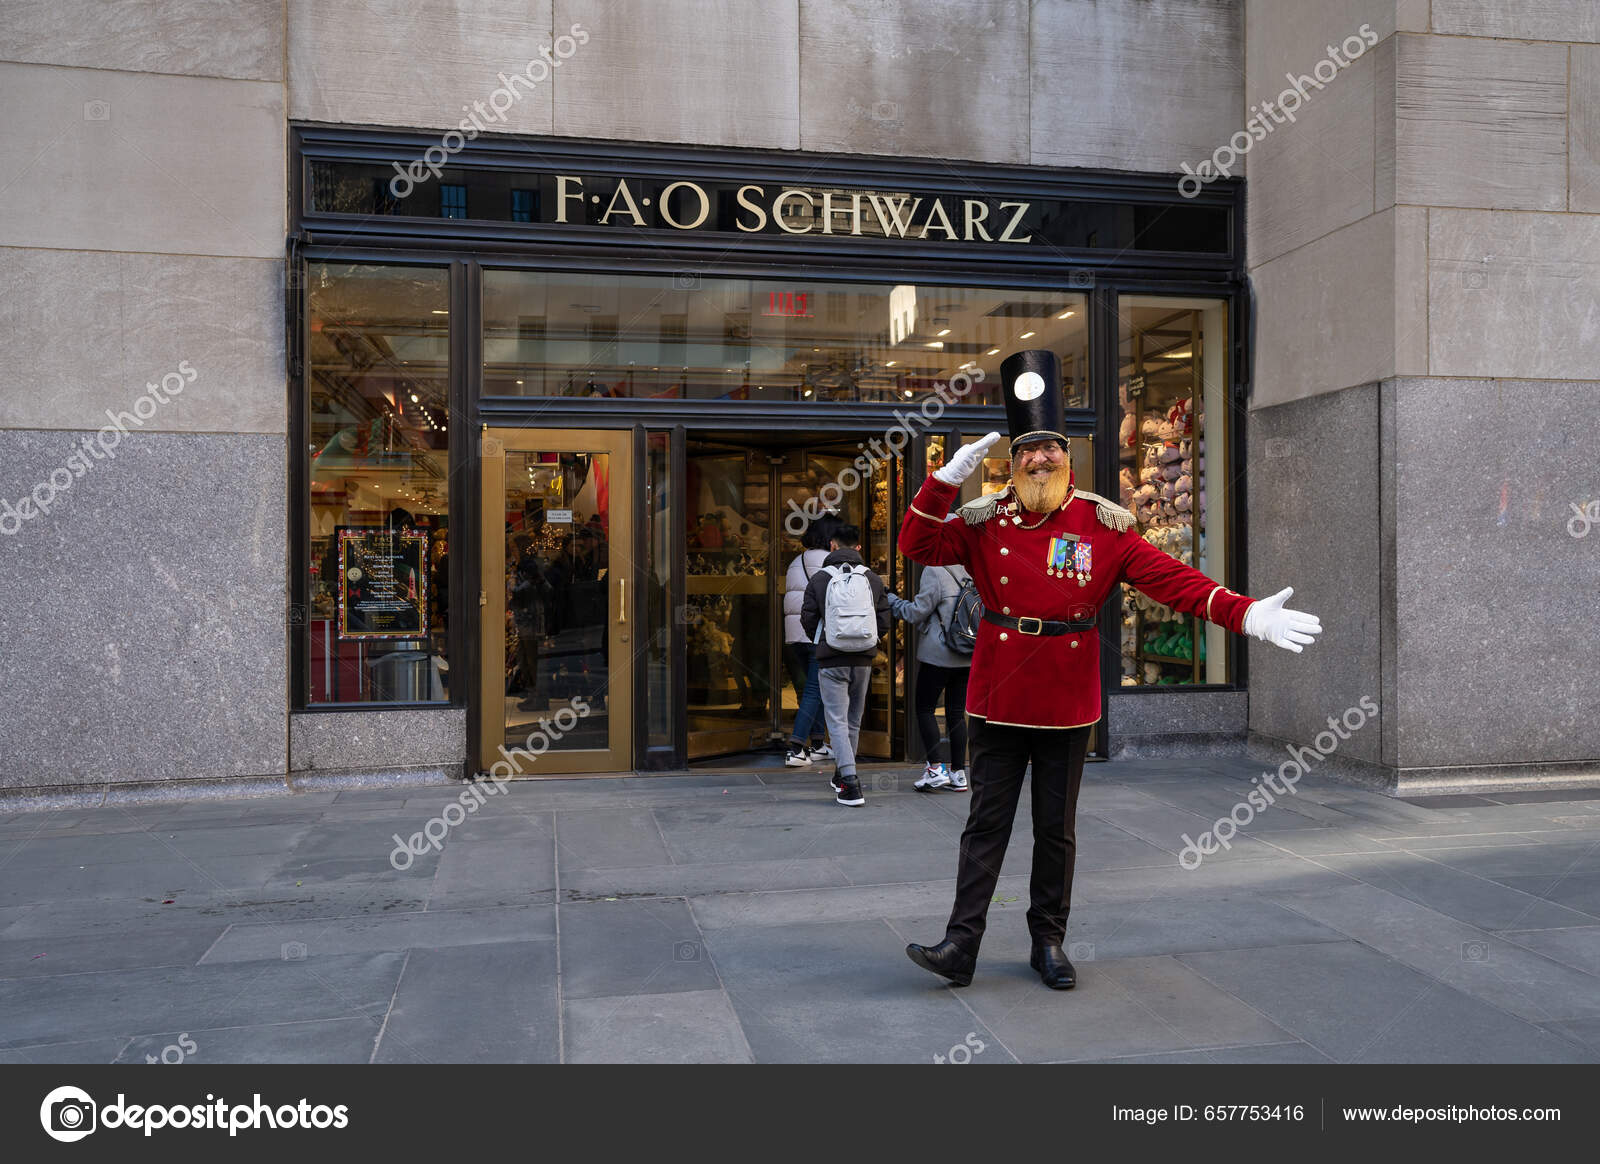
{"points": [[757, 208]]}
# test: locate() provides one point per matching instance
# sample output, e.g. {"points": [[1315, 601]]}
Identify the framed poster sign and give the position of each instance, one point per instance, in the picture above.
{"points": [[383, 583]]}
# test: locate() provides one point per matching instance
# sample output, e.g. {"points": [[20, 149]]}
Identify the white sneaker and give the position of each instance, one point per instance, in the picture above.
{"points": [[796, 759], [934, 777], [958, 780], [822, 753]]}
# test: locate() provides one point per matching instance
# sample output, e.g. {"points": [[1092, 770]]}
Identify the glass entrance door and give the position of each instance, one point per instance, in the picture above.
{"points": [[742, 502], [558, 610]]}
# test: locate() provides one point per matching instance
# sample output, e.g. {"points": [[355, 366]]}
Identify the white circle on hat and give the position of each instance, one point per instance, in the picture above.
{"points": [[1028, 386]]}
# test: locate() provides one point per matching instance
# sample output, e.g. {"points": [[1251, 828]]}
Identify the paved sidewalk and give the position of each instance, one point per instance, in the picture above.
{"points": [[737, 917]]}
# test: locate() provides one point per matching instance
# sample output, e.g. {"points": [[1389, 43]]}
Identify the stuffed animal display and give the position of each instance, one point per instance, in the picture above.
{"points": [[1165, 489]]}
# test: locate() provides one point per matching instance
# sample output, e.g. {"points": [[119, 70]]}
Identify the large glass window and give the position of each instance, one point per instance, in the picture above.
{"points": [[379, 484], [1173, 453], [689, 337]]}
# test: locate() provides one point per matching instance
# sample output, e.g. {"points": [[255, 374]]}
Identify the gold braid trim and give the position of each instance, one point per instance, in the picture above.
{"points": [[981, 509], [1111, 515]]}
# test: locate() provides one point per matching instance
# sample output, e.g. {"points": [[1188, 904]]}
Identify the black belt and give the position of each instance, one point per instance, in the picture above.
{"points": [[1037, 626]]}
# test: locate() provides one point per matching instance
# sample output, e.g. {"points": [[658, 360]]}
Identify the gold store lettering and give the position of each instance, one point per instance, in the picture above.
{"points": [[897, 215]]}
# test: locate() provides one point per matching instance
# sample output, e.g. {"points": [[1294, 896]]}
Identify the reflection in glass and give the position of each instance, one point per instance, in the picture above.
{"points": [[664, 337], [1172, 382], [558, 541], [379, 484]]}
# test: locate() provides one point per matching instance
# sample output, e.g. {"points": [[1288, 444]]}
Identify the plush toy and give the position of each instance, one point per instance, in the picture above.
{"points": [[1126, 483], [1169, 454], [1171, 471], [1126, 434]]}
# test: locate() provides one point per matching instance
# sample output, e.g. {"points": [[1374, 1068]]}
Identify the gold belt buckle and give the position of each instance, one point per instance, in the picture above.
{"points": [[1038, 625]]}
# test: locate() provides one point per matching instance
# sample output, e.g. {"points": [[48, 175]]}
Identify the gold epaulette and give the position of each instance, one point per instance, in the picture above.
{"points": [[1111, 515]]}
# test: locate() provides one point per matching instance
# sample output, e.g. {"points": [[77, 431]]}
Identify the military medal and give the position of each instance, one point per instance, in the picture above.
{"points": [[1055, 560], [1082, 561]]}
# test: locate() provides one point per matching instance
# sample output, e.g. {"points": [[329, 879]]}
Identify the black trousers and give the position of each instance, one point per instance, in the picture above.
{"points": [[951, 683], [1000, 756]]}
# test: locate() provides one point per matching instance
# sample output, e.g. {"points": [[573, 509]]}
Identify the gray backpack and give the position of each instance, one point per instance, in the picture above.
{"points": [[849, 614]]}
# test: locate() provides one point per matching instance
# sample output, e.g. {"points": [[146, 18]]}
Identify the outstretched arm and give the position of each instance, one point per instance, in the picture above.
{"points": [[1186, 589]]}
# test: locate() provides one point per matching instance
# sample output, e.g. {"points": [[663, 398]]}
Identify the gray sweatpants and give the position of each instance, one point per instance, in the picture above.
{"points": [[844, 700]]}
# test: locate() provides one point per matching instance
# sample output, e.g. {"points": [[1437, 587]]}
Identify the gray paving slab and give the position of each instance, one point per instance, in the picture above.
{"points": [[1317, 841], [488, 873], [103, 1050], [1163, 926], [1356, 1005], [1127, 1007], [1578, 891], [1578, 946], [318, 938], [1584, 1032], [635, 946], [475, 1004], [1165, 827], [116, 916], [64, 1008], [1526, 858], [842, 992], [203, 844], [691, 880], [1470, 959], [802, 906], [1487, 904], [339, 1040], [155, 877], [609, 838], [78, 953], [692, 1026]]}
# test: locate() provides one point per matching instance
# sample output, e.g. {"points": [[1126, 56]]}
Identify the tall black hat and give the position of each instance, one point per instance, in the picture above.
{"points": [[1031, 381]]}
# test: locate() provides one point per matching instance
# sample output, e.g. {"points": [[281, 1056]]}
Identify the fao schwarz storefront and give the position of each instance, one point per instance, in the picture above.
{"points": [[565, 407]]}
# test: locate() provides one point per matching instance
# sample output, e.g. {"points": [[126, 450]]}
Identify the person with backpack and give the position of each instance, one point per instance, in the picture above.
{"points": [[799, 652], [945, 613], [846, 613]]}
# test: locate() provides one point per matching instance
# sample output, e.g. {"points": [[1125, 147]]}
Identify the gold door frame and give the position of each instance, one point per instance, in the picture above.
{"points": [[621, 601]]}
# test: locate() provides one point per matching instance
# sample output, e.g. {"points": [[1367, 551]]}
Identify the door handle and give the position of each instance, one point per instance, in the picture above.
{"points": [[622, 600]]}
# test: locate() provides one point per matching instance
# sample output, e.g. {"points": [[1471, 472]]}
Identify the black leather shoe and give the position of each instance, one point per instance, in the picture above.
{"points": [[1054, 970], [946, 959]]}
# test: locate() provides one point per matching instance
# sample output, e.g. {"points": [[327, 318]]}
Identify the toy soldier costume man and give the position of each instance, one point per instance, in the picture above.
{"points": [[1045, 555]]}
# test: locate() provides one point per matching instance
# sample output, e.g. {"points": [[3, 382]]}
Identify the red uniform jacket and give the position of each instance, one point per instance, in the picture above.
{"points": [[1063, 569]]}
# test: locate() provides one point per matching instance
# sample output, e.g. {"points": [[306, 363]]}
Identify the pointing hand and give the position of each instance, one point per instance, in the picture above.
{"points": [[960, 466]]}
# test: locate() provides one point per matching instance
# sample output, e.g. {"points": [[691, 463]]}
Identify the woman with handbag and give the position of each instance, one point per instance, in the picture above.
{"points": [[942, 671]]}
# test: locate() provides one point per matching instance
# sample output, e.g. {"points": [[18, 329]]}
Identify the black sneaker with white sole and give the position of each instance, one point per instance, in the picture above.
{"points": [[849, 790]]}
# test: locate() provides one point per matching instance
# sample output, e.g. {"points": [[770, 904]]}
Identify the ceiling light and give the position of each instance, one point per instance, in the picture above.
{"points": [[1064, 315], [414, 399], [519, 381], [1026, 335], [436, 311], [992, 352], [908, 392], [946, 331], [891, 363], [936, 343]]}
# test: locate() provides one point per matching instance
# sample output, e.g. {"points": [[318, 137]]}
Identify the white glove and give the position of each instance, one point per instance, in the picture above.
{"points": [[960, 466], [1268, 621]]}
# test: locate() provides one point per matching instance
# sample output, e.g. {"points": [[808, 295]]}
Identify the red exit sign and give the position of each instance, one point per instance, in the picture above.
{"points": [[796, 304]]}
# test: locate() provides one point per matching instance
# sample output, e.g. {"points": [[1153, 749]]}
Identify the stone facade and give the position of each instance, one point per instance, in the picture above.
{"points": [[1427, 357], [1421, 242]]}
